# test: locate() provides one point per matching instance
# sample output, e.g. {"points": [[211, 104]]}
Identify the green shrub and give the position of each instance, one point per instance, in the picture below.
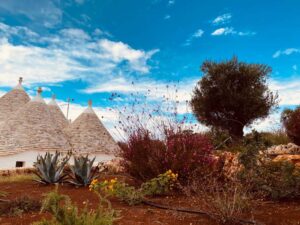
{"points": [[275, 180], [18, 206], [264, 140], [50, 168], [267, 139], [159, 185], [82, 172], [220, 138], [64, 212], [3, 194], [131, 195]]}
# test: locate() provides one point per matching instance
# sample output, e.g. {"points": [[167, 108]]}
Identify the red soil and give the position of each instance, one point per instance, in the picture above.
{"points": [[269, 213]]}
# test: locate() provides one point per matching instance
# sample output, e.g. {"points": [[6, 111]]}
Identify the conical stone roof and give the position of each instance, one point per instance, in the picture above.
{"points": [[59, 118], [32, 127], [12, 101], [88, 135]]}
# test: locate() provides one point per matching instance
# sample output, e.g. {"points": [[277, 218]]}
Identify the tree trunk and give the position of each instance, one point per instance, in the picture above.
{"points": [[236, 131]]}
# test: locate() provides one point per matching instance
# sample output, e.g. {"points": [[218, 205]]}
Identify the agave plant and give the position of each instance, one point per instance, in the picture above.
{"points": [[50, 167], [82, 172]]}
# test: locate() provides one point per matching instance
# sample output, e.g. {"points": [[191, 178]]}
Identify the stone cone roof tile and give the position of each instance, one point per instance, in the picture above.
{"points": [[59, 118], [12, 101], [32, 127], [88, 135]]}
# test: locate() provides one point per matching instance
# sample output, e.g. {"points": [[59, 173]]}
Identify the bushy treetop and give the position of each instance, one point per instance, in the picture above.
{"points": [[232, 94]]}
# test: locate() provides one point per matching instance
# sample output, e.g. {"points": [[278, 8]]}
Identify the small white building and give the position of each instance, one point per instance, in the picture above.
{"points": [[31, 127]]}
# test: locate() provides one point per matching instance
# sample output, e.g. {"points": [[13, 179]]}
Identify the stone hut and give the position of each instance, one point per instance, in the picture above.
{"points": [[32, 128], [59, 118], [12, 101], [88, 135]]}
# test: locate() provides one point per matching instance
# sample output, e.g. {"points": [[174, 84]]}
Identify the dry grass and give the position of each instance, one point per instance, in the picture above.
{"points": [[17, 178], [225, 201]]}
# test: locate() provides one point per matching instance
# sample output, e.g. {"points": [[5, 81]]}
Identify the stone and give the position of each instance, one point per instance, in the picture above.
{"points": [[290, 148], [59, 118], [290, 158], [113, 166], [231, 165], [12, 101], [32, 127], [88, 135]]}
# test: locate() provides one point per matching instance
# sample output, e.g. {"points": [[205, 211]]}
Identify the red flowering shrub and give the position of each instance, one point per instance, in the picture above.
{"points": [[184, 153], [188, 153], [143, 156], [291, 122], [159, 135]]}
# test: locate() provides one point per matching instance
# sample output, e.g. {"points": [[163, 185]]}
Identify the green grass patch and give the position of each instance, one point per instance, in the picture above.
{"points": [[17, 178]]}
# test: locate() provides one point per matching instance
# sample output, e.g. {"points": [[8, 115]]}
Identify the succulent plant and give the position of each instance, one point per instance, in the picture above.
{"points": [[82, 172], [50, 167]]}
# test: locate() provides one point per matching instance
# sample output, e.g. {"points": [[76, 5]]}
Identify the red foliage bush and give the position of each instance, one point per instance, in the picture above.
{"points": [[187, 153], [184, 153], [291, 122], [158, 135], [142, 155]]}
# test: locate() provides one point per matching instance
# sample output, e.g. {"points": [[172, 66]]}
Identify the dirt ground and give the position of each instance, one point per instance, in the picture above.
{"points": [[268, 213]]}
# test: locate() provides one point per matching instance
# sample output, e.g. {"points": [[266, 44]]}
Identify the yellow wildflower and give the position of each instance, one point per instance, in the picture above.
{"points": [[169, 172], [94, 182], [113, 181]]}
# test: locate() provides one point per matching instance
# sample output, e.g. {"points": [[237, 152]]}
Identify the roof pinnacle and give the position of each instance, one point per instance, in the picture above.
{"points": [[90, 102], [39, 91]]}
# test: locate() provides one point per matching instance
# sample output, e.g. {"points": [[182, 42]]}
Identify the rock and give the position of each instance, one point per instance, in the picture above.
{"points": [[231, 165], [290, 149], [295, 159], [113, 166]]}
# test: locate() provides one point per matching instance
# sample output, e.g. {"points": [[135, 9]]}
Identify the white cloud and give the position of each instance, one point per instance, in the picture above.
{"points": [[287, 51], [223, 19], [119, 51], [43, 12], [223, 31], [80, 1], [167, 17], [75, 33], [171, 2], [269, 124], [153, 89], [295, 67], [2, 93], [71, 54], [288, 91], [230, 30], [197, 34], [7, 31]]}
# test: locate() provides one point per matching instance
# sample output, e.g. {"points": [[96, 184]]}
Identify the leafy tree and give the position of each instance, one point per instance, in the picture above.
{"points": [[232, 94], [291, 121]]}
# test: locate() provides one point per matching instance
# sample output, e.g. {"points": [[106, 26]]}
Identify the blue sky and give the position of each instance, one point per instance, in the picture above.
{"points": [[89, 48]]}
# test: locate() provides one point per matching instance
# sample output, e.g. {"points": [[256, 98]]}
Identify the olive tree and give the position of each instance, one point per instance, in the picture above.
{"points": [[232, 94]]}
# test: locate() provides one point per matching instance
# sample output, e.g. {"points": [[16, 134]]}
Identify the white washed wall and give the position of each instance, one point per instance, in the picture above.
{"points": [[29, 157]]}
